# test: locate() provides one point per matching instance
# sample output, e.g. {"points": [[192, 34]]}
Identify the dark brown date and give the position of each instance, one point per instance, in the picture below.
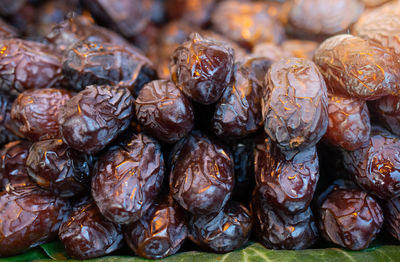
{"points": [[247, 23], [56, 167], [26, 65], [202, 68], [35, 112], [238, 112], [358, 68], [87, 234], [13, 171], [160, 232], [376, 165], [95, 116], [6, 125], [350, 218], [324, 17], [278, 230], [6, 30], [288, 185], [90, 63], [391, 211], [127, 180], [164, 111], [222, 232], [193, 12], [349, 124], [202, 175], [387, 112], [129, 17], [295, 104], [29, 216]]}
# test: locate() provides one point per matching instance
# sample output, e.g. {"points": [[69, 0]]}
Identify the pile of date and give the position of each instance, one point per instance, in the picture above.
{"points": [[202, 124]]}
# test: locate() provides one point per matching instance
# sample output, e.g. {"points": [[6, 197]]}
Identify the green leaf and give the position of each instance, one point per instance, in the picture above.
{"points": [[55, 250], [32, 255], [256, 252]]}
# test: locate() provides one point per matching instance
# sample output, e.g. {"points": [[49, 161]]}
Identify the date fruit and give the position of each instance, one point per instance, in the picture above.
{"points": [[350, 218], [295, 105], [6, 125], [391, 212], [87, 234], [126, 180], [387, 112], [95, 116]]}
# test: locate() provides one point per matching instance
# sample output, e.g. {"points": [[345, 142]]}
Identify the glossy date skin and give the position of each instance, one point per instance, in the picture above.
{"points": [[56, 167], [349, 122], [376, 165], [295, 105], [95, 116], [164, 111], [29, 216], [277, 230], [202, 68], [286, 184], [126, 180], [202, 175], [26, 65], [247, 23], [391, 210], [222, 232], [87, 234], [89, 63], [160, 232], [358, 68], [350, 218], [35, 112], [387, 112], [324, 17], [238, 112], [13, 171]]}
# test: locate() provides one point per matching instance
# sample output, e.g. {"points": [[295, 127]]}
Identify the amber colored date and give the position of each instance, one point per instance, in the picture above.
{"points": [[87, 234], [160, 232], [95, 116], [29, 216], [358, 68], [35, 112], [126, 180]]}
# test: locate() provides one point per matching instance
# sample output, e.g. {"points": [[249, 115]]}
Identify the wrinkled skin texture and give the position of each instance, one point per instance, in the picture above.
{"points": [[247, 23], [376, 165], [300, 48], [87, 234], [350, 218], [193, 12], [6, 125], [295, 104], [160, 232], [286, 184], [326, 17], [95, 116], [80, 28], [277, 230], [383, 30], [387, 111], [202, 175], [164, 111], [222, 232], [35, 112], [56, 167], [89, 63], [26, 65], [7, 31], [202, 68], [126, 180], [391, 211], [349, 123], [238, 112], [13, 171], [355, 67], [129, 17], [29, 216]]}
